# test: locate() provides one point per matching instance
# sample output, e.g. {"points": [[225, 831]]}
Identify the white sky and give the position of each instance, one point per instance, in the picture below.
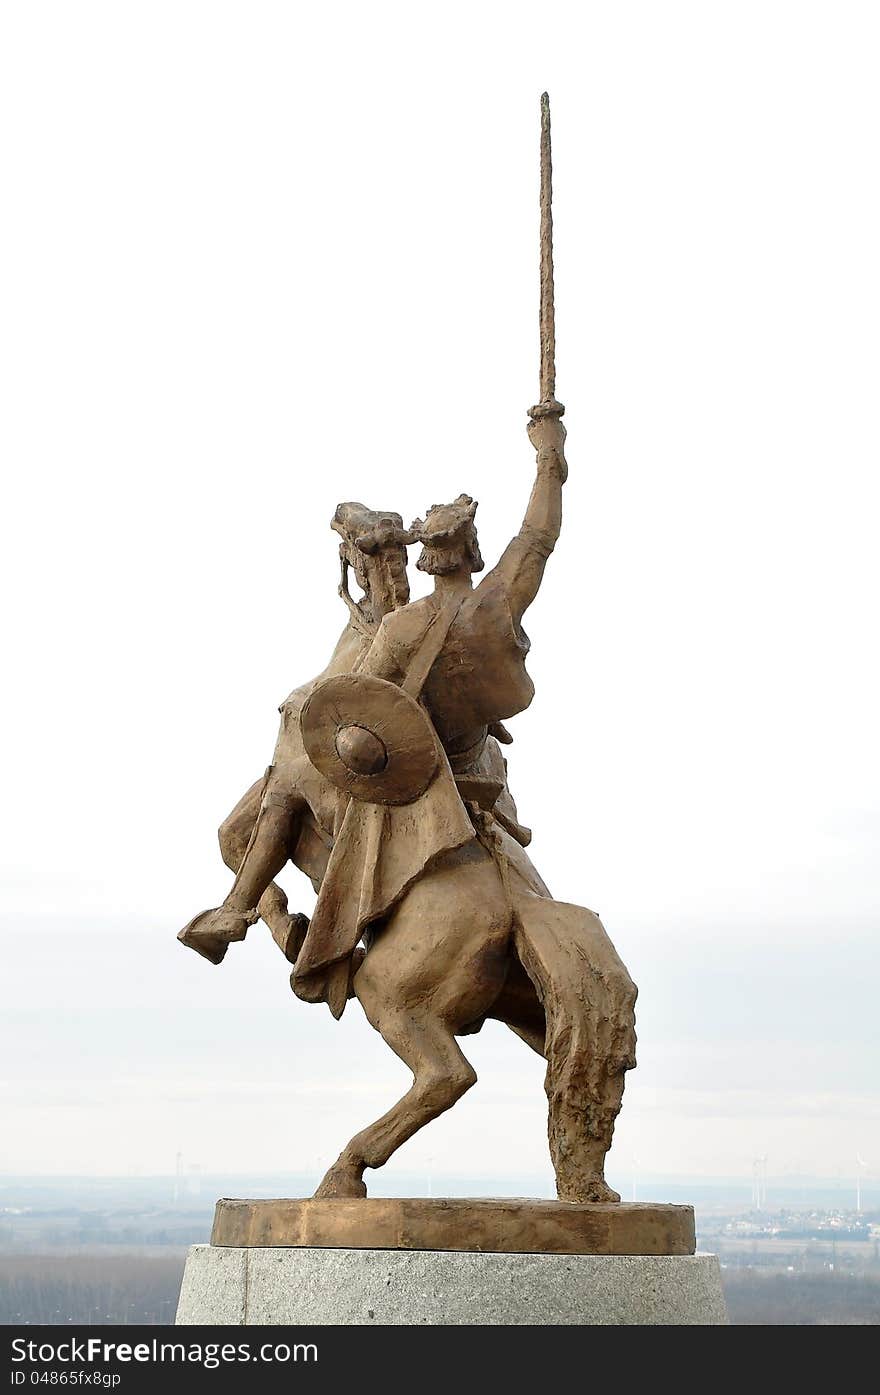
{"points": [[261, 258]]}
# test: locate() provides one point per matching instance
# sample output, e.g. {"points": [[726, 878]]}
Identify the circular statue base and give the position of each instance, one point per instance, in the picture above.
{"points": [[393, 1261], [507, 1225]]}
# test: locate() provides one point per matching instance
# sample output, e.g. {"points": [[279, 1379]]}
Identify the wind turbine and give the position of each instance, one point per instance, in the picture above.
{"points": [[759, 1183], [860, 1164]]}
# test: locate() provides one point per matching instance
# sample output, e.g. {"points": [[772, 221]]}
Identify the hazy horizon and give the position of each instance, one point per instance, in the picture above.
{"points": [[128, 1050]]}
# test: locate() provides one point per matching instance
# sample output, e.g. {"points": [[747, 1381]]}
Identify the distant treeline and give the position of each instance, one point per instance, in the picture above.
{"points": [[848, 1234], [100, 1289], [89, 1289], [771, 1300]]}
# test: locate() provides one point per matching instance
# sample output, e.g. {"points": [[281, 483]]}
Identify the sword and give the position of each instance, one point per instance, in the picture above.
{"points": [[547, 406]]}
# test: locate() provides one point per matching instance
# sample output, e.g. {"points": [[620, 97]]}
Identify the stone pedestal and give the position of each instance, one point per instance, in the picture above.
{"points": [[449, 1262], [301, 1287]]}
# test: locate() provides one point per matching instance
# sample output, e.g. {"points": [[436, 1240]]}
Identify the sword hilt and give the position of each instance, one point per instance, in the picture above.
{"points": [[552, 408]]}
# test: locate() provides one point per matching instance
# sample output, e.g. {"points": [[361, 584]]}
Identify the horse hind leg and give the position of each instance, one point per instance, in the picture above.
{"points": [[519, 1007], [441, 1075]]}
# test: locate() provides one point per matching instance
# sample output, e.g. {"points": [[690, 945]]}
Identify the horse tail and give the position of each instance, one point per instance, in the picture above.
{"points": [[589, 1006]]}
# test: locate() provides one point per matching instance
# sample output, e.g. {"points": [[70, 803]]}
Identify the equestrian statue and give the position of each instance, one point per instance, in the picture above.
{"points": [[388, 789]]}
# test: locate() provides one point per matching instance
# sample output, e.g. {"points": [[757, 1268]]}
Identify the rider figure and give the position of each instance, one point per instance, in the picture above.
{"points": [[477, 679], [263, 830]]}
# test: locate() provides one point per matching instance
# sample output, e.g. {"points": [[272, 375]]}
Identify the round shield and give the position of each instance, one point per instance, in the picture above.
{"points": [[369, 738]]}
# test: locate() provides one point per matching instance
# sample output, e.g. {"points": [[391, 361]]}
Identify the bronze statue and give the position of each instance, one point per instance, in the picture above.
{"points": [[388, 788]]}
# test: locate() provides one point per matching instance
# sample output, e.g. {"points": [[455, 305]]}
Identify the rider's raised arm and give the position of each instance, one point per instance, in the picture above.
{"points": [[520, 569]]}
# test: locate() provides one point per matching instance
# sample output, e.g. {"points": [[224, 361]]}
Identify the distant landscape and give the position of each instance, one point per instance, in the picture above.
{"points": [[112, 1250]]}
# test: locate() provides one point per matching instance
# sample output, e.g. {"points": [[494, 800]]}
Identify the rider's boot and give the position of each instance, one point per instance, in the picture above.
{"points": [[212, 932]]}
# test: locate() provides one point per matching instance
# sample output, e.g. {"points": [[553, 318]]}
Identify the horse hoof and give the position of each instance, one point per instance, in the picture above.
{"points": [[357, 958], [340, 1182], [289, 934]]}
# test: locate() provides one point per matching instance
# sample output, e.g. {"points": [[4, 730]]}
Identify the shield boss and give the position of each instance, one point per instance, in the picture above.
{"points": [[369, 738]]}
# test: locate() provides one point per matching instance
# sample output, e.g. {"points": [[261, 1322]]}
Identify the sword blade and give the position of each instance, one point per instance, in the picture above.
{"points": [[547, 321]]}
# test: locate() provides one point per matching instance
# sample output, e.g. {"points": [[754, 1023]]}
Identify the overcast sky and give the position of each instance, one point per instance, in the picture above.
{"points": [[258, 259]]}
